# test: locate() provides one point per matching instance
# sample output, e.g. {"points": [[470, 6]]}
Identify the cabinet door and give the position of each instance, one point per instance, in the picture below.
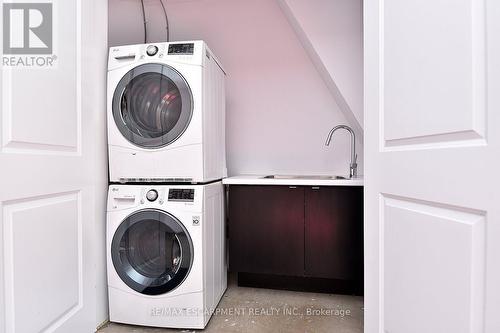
{"points": [[266, 229], [334, 232]]}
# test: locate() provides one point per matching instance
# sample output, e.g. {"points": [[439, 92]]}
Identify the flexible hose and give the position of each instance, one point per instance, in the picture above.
{"points": [[166, 20], [145, 23]]}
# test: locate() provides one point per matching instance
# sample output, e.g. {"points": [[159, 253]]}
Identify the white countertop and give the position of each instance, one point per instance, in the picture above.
{"points": [[259, 180]]}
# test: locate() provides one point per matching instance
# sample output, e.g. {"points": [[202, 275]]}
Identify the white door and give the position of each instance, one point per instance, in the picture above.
{"points": [[52, 168], [432, 143]]}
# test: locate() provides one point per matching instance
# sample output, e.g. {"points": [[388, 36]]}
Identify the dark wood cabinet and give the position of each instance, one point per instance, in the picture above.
{"points": [[266, 229], [334, 232], [304, 232]]}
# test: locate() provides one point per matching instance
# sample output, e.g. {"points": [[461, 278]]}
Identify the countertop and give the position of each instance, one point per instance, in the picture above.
{"points": [[303, 181]]}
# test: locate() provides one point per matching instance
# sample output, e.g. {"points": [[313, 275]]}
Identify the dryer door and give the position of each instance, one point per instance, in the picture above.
{"points": [[152, 105], [152, 252]]}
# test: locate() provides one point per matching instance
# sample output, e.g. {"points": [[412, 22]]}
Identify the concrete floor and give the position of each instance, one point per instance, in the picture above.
{"points": [[300, 317]]}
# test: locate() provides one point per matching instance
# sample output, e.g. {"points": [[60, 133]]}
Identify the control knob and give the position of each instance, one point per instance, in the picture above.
{"points": [[152, 195], [151, 50]]}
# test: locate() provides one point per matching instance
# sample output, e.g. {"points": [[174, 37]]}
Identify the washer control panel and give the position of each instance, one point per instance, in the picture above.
{"points": [[179, 194]]}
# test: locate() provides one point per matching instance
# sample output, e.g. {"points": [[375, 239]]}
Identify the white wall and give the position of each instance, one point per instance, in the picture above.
{"points": [[333, 29], [124, 22], [279, 109]]}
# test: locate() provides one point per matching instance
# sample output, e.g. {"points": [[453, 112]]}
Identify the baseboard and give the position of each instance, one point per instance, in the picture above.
{"points": [[294, 283]]}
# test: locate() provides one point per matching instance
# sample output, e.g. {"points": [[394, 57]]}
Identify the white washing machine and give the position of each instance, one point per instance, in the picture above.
{"points": [[166, 254], [166, 113]]}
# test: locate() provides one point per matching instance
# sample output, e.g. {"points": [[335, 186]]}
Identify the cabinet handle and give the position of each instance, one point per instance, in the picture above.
{"points": [[292, 186], [315, 188]]}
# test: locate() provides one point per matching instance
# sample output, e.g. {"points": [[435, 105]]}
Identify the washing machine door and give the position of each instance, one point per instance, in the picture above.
{"points": [[152, 252], [152, 105]]}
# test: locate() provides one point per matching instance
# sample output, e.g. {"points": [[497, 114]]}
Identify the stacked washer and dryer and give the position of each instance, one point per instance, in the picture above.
{"points": [[165, 214]]}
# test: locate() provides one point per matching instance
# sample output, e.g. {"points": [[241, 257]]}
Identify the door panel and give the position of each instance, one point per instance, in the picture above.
{"points": [[28, 255], [430, 65], [53, 180], [259, 215], [438, 247], [38, 120], [432, 235], [334, 232]]}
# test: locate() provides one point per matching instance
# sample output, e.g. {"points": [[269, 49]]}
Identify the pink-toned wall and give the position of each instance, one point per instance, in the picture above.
{"points": [[334, 29], [279, 109]]}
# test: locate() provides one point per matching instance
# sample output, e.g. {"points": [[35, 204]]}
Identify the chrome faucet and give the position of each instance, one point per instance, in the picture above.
{"points": [[353, 168]]}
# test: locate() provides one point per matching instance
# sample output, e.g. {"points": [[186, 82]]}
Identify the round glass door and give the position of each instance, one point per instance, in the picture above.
{"points": [[152, 252], [152, 105]]}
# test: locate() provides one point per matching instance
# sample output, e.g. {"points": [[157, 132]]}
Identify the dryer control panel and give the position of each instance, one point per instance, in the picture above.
{"points": [[124, 58]]}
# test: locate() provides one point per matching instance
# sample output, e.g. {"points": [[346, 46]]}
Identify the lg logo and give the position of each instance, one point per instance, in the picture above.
{"points": [[27, 28]]}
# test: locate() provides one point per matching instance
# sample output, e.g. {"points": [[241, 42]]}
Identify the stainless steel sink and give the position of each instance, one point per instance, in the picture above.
{"points": [[303, 177]]}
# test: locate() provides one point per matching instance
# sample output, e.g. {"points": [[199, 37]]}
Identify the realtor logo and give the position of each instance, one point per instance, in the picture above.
{"points": [[27, 28]]}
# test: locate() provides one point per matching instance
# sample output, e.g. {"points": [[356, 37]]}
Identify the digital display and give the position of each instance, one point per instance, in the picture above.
{"points": [[187, 48], [179, 194]]}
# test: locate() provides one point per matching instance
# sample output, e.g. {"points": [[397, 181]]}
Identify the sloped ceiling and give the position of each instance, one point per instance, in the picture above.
{"points": [[331, 31]]}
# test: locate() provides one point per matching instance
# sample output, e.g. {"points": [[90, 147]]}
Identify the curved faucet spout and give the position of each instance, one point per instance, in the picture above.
{"points": [[354, 156]]}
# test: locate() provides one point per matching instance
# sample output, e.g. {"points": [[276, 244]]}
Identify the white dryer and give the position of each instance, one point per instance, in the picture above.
{"points": [[166, 254], [166, 113]]}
